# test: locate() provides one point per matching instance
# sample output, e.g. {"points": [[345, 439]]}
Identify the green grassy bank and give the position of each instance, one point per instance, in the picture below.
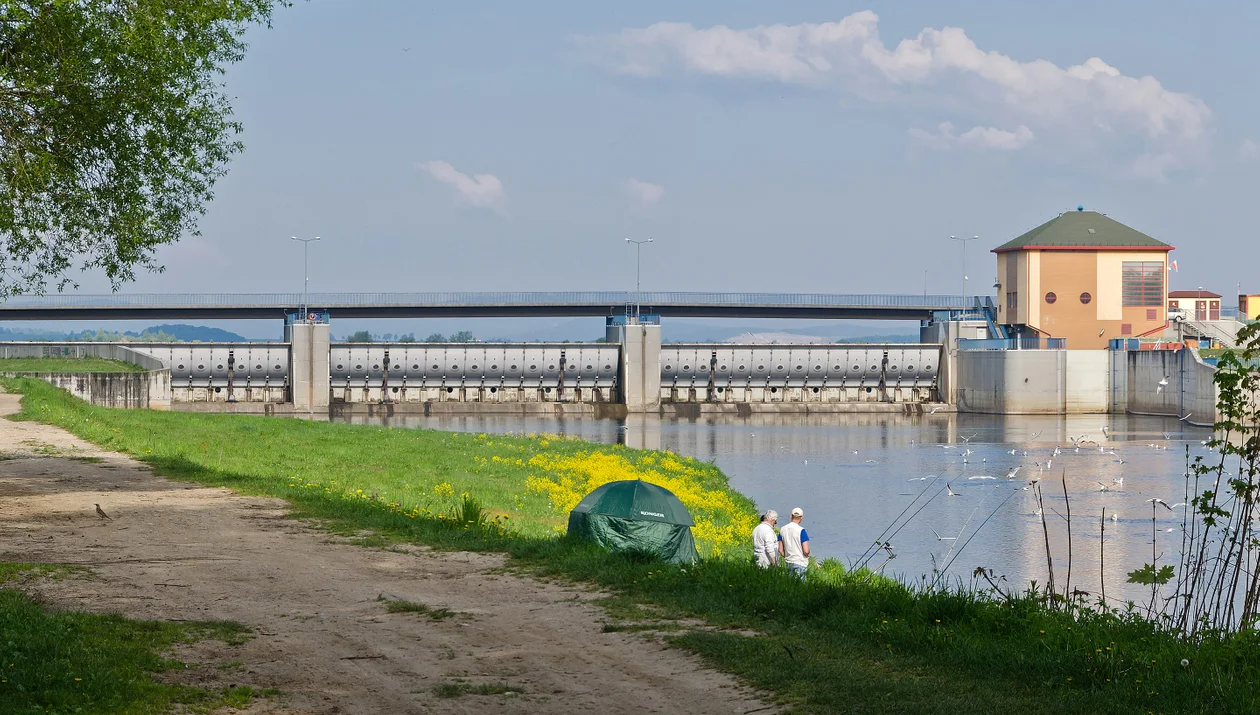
{"points": [[62, 662], [837, 643], [66, 364]]}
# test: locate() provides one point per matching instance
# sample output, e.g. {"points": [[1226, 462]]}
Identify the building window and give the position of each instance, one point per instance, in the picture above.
{"points": [[1012, 302], [1143, 284], [1126, 328], [1051, 298], [1086, 298], [1151, 314]]}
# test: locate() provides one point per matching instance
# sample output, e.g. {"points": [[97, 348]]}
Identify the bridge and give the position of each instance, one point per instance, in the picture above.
{"points": [[148, 306]]}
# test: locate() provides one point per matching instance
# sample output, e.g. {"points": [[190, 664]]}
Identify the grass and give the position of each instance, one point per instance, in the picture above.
{"points": [[66, 364], [837, 643], [455, 690], [403, 606], [66, 662]]}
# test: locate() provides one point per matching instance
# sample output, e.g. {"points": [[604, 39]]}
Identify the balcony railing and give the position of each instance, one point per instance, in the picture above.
{"points": [[1013, 344]]}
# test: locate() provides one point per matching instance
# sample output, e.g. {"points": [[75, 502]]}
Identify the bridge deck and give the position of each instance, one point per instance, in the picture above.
{"points": [[504, 304]]}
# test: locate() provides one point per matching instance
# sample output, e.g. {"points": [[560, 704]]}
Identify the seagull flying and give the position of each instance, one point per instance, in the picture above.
{"points": [[951, 492], [943, 538]]}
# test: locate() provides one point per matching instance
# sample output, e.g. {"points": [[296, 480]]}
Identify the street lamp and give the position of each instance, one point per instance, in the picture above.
{"points": [[638, 263], [306, 278], [964, 240]]}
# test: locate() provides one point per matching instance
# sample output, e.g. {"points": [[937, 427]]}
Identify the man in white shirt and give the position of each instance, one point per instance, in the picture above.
{"points": [[794, 544], [765, 541]]}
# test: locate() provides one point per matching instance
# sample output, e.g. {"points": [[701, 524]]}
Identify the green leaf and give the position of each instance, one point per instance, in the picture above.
{"points": [[1147, 575]]}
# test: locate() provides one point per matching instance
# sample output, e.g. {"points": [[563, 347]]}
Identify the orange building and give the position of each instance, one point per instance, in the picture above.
{"points": [[1249, 306], [1084, 277]]}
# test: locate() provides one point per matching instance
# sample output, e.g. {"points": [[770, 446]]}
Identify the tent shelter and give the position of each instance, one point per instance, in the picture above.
{"points": [[634, 515]]}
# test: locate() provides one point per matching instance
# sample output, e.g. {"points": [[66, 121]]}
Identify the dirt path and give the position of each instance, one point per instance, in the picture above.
{"points": [[178, 551]]}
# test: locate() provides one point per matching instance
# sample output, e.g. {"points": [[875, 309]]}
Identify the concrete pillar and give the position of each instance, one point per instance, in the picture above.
{"points": [[640, 364], [308, 366]]}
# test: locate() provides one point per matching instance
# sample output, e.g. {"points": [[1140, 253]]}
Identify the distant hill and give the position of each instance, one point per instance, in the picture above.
{"points": [[184, 333], [168, 333]]}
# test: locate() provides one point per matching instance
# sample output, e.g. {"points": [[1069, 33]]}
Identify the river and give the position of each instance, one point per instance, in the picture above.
{"points": [[854, 475]]}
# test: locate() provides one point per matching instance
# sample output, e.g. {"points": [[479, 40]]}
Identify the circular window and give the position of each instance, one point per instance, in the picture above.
{"points": [[201, 367], [181, 367], [533, 368], [760, 368], [415, 367], [1051, 298], [572, 368], [474, 367], [669, 367], [551, 367], [395, 389], [376, 367], [358, 367], [341, 367], [277, 367], [818, 368], [220, 366], [494, 367], [857, 367], [799, 368], [450, 390], [704, 368], [398, 367], [741, 368], [909, 368], [893, 368], [722, 368], [512, 368], [608, 367], [493, 390], [590, 367], [1086, 297], [686, 367], [815, 390], [836, 368], [774, 389], [928, 368], [874, 368], [259, 367], [454, 367], [218, 389], [779, 368]]}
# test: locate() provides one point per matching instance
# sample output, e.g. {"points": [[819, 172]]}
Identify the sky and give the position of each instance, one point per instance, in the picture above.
{"points": [[808, 146]]}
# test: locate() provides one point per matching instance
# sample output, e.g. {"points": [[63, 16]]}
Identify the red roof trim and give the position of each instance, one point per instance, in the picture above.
{"points": [[1154, 330], [1083, 248], [1193, 294]]}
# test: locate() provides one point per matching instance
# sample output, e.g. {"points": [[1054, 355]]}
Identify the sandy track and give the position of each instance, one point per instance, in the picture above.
{"points": [[178, 551]]}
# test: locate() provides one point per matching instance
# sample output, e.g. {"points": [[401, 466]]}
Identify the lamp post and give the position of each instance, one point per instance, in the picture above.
{"points": [[964, 240], [306, 278], [638, 264]]}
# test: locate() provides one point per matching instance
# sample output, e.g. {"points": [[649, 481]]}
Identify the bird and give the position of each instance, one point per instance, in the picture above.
{"points": [[807, 461], [1034, 435], [1102, 487], [101, 512], [1162, 384], [1011, 474], [943, 538], [1157, 500], [1104, 430], [871, 461], [967, 453], [935, 410], [1118, 482], [980, 477], [967, 439], [950, 491], [1011, 452], [1114, 517]]}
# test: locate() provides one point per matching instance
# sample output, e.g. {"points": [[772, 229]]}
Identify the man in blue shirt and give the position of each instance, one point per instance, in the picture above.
{"points": [[794, 544]]}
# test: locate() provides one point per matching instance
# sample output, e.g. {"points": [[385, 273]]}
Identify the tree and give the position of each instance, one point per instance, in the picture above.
{"points": [[463, 336], [361, 336], [113, 129], [435, 338], [408, 338]]}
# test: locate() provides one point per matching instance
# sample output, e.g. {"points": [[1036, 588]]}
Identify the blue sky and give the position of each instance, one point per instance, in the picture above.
{"points": [[809, 157]]}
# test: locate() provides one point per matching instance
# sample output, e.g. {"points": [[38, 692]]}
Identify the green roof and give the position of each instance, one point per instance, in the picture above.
{"points": [[1083, 229]]}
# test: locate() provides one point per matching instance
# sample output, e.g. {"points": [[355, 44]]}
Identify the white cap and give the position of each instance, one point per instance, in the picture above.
{"points": [[797, 512]]}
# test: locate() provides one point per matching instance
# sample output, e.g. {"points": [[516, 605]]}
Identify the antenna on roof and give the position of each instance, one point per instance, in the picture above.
{"points": [[1080, 208]]}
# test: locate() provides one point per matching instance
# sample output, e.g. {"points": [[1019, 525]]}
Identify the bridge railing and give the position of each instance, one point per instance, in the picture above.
{"points": [[520, 298]]}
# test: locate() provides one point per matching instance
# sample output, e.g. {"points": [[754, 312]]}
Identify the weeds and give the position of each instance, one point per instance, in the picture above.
{"points": [[403, 606], [455, 690]]}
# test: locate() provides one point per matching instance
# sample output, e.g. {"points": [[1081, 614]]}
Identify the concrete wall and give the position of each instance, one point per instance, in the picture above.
{"points": [[1190, 389], [308, 366], [1019, 382], [640, 377], [150, 389]]}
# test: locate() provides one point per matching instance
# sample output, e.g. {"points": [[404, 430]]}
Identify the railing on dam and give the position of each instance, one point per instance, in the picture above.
{"points": [[517, 298], [1013, 344]]}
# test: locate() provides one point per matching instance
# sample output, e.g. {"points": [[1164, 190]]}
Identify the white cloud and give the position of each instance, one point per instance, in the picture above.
{"points": [[976, 137], [1248, 151], [1086, 106], [484, 190], [644, 194]]}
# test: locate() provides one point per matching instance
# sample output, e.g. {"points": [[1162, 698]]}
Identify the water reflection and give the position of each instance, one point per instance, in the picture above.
{"points": [[854, 474]]}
